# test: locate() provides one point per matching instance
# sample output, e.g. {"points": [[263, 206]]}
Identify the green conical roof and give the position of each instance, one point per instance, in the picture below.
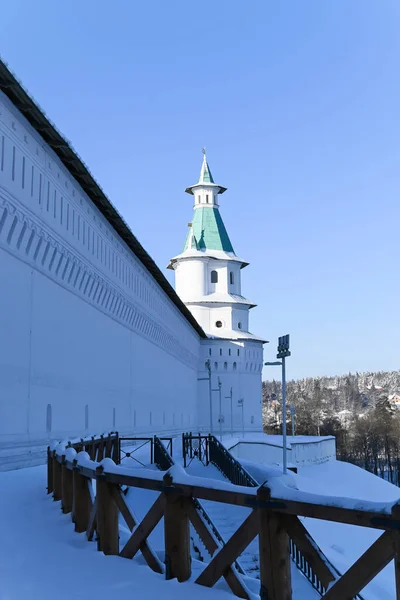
{"points": [[205, 173], [209, 231]]}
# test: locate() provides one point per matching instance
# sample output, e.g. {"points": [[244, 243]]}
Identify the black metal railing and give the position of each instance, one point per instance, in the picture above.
{"points": [[162, 458], [137, 443], [228, 465], [195, 446]]}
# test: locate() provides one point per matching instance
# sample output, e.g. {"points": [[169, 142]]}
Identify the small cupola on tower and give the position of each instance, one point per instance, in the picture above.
{"points": [[205, 191]]}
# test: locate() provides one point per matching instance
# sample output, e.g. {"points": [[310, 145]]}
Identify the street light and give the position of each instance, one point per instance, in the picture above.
{"points": [[231, 396], [283, 352], [208, 365], [241, 403]]}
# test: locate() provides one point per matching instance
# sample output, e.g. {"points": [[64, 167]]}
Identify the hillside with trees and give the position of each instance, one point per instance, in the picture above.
{"points": [[362, 410]]}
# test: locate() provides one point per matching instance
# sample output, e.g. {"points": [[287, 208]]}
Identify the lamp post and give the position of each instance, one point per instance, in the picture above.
{"points": [[292, 414], [231, 396], [208, 365], [220, 407], [283, 352], [241, 403]]}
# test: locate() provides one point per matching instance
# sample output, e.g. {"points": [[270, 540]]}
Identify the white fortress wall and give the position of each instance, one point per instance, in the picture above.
{"points": [[89, 340]]}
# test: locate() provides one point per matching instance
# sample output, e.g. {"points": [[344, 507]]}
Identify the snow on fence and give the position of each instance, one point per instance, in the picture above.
{"points": [[274, 518]]}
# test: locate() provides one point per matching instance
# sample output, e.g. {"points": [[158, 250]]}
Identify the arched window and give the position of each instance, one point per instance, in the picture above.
{"points": [[216, 366], [239, 325], [48, 418], [225, 365], [234, 366], [231, 278], [214, 277]]}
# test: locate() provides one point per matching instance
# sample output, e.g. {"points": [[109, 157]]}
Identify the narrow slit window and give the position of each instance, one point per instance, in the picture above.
{"points": [[231, 278]]}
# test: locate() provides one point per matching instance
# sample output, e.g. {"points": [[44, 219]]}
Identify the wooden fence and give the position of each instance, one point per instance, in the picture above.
{"points": [[273, 519]]}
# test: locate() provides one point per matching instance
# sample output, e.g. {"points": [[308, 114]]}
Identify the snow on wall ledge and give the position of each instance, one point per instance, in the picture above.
{"points": [[301, 450]]}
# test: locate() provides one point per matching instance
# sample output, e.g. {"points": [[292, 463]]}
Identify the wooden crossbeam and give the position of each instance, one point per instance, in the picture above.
{"points": [[230, 575], [148, 554], [230, 552], [363, 570], [308, 548], [144, 529]]}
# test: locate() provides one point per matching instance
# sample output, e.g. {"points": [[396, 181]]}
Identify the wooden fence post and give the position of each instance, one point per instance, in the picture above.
{"points": [[82, 502], [66, 486], [49, 470], [275, 575], [57, 485], [176, 535], [106, 515], [396, 547]]}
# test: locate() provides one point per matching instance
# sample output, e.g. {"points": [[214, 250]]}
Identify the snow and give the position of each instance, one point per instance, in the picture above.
{"points": [[273, 440], [42, 557]]}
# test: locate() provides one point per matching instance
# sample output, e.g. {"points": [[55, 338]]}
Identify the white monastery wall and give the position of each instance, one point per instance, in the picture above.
{"points": [[238, 366], [89, 341], [299, 454]]}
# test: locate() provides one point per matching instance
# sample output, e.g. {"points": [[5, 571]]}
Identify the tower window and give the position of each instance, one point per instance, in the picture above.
{"points": [[216, 366], [209, 351], [207, 198], [198, 199], [229, 351], [220, 351], [238, 352], [225, 365], [234, 366], [214, 277], [218, 324], [231, 278], [239, 325]]}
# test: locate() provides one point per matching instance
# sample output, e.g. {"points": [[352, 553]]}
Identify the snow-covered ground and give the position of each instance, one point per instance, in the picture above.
{"points": [[42, 558]]}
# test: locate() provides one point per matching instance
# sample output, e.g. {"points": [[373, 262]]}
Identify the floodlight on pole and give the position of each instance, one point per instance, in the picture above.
{"points": [[283, 353]]}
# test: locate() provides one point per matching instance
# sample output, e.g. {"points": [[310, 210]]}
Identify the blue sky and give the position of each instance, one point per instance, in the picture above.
{"points": [[297, 103]]}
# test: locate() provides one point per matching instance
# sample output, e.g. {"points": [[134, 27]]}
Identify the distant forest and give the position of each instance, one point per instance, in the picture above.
{"points": [[362, 410]]}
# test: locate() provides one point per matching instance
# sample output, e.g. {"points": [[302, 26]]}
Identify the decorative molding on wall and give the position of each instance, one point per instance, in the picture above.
{"points": [[32, 173], [32, 241]]}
